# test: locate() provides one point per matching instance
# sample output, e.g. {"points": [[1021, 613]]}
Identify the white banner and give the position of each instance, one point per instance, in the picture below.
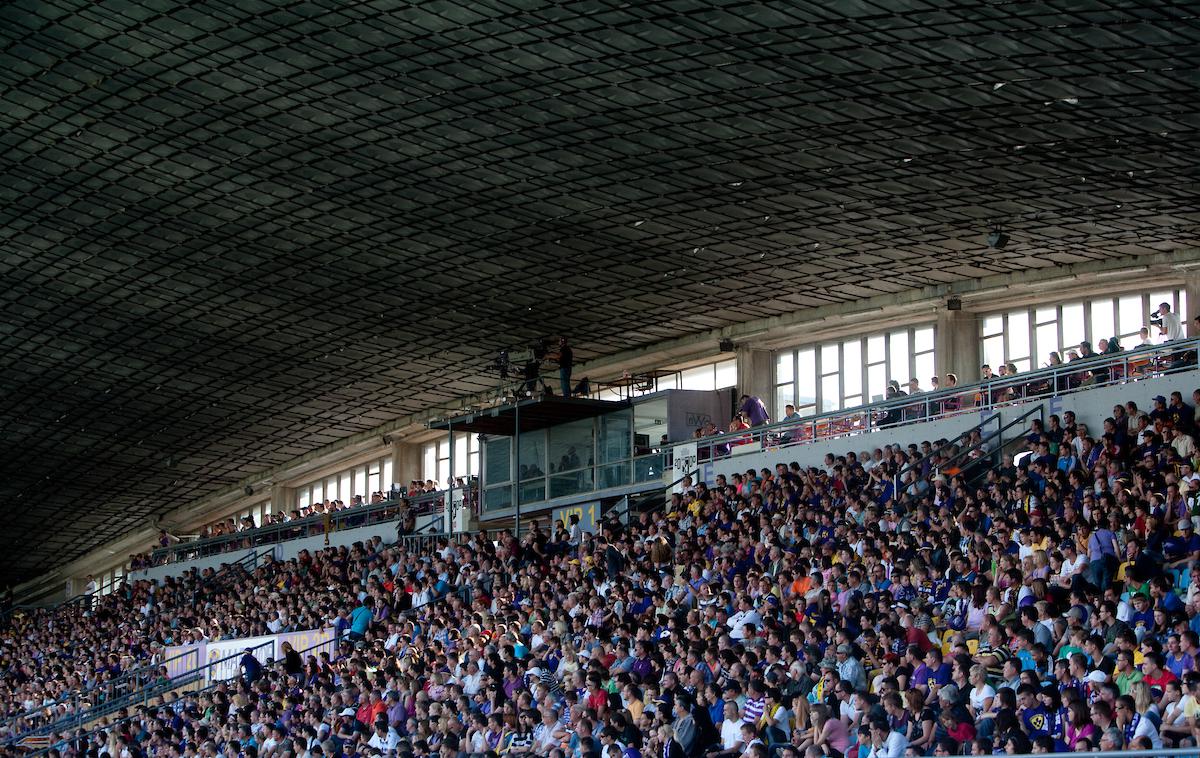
{"points": [[231, 669], [683, 463]]}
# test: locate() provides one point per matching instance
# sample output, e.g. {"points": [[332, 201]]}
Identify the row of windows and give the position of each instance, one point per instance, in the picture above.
{"points": [[435, 458], [361, 480], [855, 371], [109, 581], [845, 374], [1026, 337]]}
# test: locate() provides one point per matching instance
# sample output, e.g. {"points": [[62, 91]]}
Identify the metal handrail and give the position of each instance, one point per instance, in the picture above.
{"points": [[289, 530], [998, 433], [136, 676], [464, 591], [946, 403], [920, 462], [142, 696]]}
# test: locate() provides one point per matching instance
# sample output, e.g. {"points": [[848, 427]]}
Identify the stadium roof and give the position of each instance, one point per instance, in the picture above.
{"points": [[233, 232]]}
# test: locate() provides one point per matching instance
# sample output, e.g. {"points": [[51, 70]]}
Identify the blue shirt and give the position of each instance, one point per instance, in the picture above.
{"points": [[360, 619]]}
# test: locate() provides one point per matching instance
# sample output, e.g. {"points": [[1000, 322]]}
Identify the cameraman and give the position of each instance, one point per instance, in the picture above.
{"points": [[1169, 326]]}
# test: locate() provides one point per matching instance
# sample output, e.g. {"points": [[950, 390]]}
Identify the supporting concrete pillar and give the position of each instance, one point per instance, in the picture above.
{"points": [[1191, 289], [756, 375], [406, 462], [283, 498], [957, 348]]}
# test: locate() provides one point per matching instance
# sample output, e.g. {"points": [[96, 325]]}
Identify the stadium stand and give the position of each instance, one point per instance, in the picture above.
{"points": [[904, 602]]}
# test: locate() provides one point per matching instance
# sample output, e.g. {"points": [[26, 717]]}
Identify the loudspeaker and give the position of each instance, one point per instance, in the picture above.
{"points": [[726, 345]]}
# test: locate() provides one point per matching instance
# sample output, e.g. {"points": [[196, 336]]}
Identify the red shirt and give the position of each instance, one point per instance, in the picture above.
{"points": [[1161, 680], [597, 700]]}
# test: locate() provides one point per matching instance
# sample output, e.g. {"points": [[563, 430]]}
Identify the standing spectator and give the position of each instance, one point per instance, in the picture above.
{"points": [[754, 410], [566, 364], [1169, 327], [360, 618]]}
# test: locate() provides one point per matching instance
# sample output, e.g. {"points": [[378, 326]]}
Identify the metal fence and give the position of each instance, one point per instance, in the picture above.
{"points": [[311, 526], [993, 394]]}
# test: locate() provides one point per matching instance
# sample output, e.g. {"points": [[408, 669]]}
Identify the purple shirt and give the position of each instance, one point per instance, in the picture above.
{"points": [[755, 411]]}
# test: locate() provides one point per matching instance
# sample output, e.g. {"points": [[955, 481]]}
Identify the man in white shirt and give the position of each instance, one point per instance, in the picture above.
{"points": [[1171, 329], [745, 615], [886, 743], [384, 738]]}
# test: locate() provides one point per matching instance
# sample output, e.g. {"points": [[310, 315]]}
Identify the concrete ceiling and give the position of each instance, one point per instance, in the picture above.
{"points": [[231, 233]]}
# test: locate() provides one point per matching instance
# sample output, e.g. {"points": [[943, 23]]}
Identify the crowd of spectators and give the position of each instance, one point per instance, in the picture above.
{"points": [[1049, 606]]}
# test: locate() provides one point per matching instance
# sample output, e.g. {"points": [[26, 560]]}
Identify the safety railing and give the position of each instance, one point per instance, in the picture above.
{"points": [[125, 683], [315, 525], [141, 696], [989, 448], [57, 742], [921, 463], [997, 392]]}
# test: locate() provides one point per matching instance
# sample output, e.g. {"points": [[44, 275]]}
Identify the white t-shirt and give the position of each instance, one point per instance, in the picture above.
{"points": [[731, 733], [980, 696]]}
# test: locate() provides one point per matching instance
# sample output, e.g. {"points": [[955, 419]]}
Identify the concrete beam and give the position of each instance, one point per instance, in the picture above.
{"points": [[1181, 267]]}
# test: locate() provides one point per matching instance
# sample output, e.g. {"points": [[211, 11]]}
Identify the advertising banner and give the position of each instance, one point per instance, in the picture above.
{"points": [[264, 650], [684, 463], [183, 658], [180, 659]]}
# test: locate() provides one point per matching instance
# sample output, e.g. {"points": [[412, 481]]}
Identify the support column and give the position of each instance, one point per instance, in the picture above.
{"points": [[1191, 290], [406, 462], [756, 376], [283, 498], [957, 347]]}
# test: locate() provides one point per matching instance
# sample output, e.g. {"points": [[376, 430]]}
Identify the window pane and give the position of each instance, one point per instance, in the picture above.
{"points": [[427, 467], [1018, 335], [1045, 315], [460, 454], [1163, 297], [925, 369], [1132, 317], [993, 351], [387, 476], [875, 349], [898, 358], [726, 374], [699, 378], [667, 382], [852, 374], [830, 394], [1047, 342], [1103, 321], [616, 430], [1181, 297], [344, 487], [331, 488], [829, 359], [1072, 325], [923, 339], [785, 368], [531, 463], [993, 325], [806, 377], [570, 446], [852, 401], [498, 459], [877, 382], [784, 394], [318, 492]]}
